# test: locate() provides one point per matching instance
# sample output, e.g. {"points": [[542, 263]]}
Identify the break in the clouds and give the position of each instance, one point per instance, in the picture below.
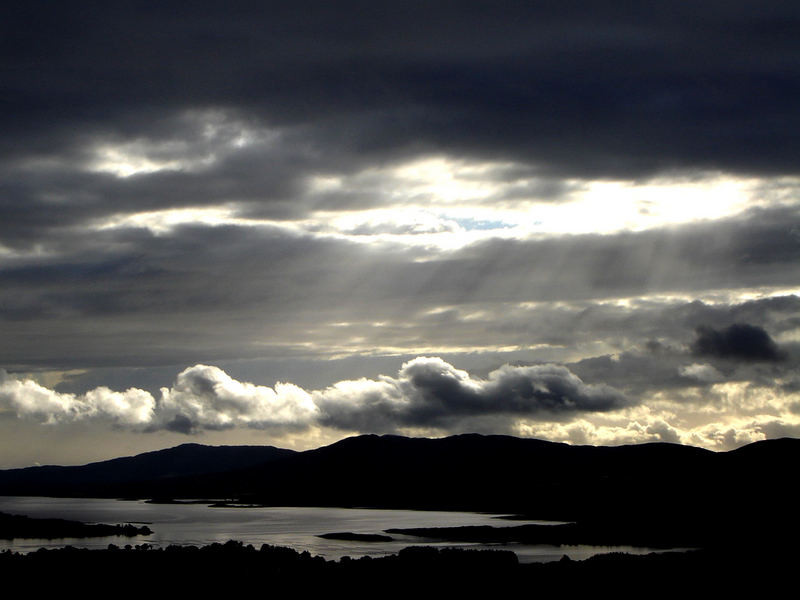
{"points": [[427, 392], [589, 212]]}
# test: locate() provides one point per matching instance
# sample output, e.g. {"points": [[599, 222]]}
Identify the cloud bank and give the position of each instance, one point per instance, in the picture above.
{"points": [[427, 392], [131, 408], [669, 401]]}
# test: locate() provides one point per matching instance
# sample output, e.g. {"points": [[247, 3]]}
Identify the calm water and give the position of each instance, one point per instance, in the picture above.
{"points": [[199, 524]]}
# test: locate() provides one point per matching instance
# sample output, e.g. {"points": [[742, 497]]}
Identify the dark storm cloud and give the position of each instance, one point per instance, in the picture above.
{"points": [[429, 392], [579, 88], [739, 341], [329, 90]]}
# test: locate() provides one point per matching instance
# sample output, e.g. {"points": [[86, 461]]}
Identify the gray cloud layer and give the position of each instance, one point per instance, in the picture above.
{"points": [[579, 87], [247, 104], [203, 287]]}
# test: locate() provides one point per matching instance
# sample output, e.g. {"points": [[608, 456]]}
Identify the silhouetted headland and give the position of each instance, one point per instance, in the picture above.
{"points": [[18, 526], [129, 476]]}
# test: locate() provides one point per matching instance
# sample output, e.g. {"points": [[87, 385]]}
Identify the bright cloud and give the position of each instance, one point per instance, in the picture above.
{"points": [[428, 392], [432, 396], [205, 397], [131, 408]]}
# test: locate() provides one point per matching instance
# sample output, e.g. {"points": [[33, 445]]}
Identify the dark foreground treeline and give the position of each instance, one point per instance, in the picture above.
{"points": [[232, 570]]}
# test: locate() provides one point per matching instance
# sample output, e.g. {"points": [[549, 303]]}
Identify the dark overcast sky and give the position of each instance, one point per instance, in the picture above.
{"points": [[285, 223]]}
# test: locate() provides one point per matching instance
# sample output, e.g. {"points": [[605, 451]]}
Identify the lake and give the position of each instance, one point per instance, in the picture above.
{"points": [[294, 527]]}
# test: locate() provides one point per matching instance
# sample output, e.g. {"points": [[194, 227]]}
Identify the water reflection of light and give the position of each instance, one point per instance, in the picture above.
{"points": [[294, 527]]}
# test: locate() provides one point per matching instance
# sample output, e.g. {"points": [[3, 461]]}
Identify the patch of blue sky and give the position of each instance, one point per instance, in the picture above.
{"points": [[473, 224]]}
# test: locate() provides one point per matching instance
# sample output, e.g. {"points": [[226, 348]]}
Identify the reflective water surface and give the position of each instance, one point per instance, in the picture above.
{"points": [[295, 527]]}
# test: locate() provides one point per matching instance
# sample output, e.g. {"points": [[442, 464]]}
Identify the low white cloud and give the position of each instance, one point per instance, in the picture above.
{"points": [[427, 393], [205, 397], [131, 408], [643, 424], [428, 396]]}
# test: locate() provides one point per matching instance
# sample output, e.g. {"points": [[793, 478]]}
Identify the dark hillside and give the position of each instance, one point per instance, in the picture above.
{"points": [[103, 478], [673, 492]]}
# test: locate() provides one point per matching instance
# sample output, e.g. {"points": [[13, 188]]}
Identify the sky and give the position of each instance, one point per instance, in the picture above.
{"points": [[289, 223]]}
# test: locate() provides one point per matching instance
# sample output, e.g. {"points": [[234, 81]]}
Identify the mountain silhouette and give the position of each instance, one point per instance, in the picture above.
{"points": [[100, 479], [674, 491]]}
